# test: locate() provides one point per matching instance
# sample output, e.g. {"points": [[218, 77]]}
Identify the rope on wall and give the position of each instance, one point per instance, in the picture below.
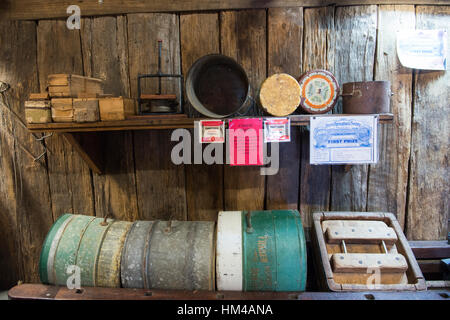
{"points": [[4, 87]]}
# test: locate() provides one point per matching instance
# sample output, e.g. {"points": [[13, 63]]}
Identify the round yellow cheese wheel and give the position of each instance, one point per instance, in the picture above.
{"points": [[280, 94]]}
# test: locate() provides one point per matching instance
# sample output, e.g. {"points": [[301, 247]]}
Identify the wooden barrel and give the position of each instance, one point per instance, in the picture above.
{"points": [[169, 255], [273, 251], [86, 242]]}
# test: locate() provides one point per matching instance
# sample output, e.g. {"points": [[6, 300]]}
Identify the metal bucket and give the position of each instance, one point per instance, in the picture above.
{"points": [[272, 251], [87, 242], [217, 87], [367, 97], [169, 255]]}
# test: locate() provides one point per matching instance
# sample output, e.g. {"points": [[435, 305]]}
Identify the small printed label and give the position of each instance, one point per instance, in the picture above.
{"points": [[212, 131], [277, 130], [246, 142]]}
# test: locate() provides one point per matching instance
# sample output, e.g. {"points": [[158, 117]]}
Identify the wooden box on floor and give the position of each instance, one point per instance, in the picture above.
{"points": [[86, 110], [70, 85], [363, 251], [113, 109], [62, 109], [38, 111]]}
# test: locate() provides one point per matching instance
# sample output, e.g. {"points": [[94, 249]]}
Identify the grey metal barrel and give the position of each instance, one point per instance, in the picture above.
{"points": [[134, 256], [169, 255]]}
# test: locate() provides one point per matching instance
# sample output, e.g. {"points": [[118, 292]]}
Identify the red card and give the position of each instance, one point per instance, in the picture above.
{"points": [[246, 142]]}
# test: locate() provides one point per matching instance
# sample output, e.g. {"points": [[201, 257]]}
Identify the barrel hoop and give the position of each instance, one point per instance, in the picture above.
{"points": [[125, 245], [94, 276], [145, 257], [146, 271], [51, 272], [303, 255]]}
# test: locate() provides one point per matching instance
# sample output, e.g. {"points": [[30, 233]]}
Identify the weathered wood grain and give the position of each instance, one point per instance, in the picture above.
{"points": [[160, 184], [34, 9], [204, 183], [389, 177], [199, 35], [105, 56], [59, 51], [285, 37], [317, 54], [429, 182], [243, 37], [355, 37], [25, 200]]}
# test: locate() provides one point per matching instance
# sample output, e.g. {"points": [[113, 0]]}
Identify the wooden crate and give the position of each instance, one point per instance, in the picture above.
{"points": [[86, 110], [62, 109], [119, 108], [70, 85], [352, 248], [38, 111]]}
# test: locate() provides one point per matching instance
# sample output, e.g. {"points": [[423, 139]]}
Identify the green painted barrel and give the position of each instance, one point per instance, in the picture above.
{"points": [[274, 251], [87, 242]]}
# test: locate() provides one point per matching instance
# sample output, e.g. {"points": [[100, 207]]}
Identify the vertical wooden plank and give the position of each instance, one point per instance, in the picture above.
{"points": [[317, 54], [285, 37], [356, 28], [59, 51], [199, 34], [25, 196], [105, 53], [160, 184], [429, 183], [389, 177], [243, 37]]}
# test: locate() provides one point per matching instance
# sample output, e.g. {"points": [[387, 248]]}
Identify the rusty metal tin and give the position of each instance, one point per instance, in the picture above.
{"points": [[366, 97], [319, 91]]}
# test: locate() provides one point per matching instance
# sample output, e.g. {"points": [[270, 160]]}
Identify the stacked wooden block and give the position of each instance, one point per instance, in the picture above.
{"points": [[74, 98]]}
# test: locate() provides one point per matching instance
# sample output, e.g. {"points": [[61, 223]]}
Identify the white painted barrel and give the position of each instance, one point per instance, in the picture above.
{"points": [[229, 251]]}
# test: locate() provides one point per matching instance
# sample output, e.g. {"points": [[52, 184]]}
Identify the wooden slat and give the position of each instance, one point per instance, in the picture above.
{"points": [[25, 196], [430, 249], [59, 51], [356, 33], [360, 262], [204, 183], [44, 292], [361, 235], [388, 179], [285, 37], [160, 184], [317, 54], [429, 180], [34, 9], [243, 37], [105, 50], [156, 122]]}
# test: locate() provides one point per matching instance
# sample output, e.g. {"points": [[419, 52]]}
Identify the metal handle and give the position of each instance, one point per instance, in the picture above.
{"points": [[248, 217], [104, 223], [169, 227]]}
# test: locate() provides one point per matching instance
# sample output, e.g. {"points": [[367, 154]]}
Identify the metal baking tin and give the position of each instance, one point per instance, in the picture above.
{"points": [[367, 97]]}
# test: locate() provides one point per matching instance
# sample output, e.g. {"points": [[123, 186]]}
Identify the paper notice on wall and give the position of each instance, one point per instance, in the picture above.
{"points": [[343, 140], [245, 142], [212, 131], [277, 130], [422, 49]]}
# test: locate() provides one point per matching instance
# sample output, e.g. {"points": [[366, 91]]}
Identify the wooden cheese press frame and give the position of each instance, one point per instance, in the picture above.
{"points": [[330, 281]]}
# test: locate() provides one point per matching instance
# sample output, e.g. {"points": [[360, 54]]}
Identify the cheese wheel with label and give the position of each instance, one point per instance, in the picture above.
{"points": [[280, 95]]}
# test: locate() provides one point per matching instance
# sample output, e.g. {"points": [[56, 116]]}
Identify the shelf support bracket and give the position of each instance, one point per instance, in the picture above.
{"points": [[89, 147]]}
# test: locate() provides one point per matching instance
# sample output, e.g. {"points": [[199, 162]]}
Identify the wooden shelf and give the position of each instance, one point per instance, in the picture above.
{"points": [[163, 123], [87, 138], [46, 292]]}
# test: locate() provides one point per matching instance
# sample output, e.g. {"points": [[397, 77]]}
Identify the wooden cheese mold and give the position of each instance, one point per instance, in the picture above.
{"points": [[363, 251]]}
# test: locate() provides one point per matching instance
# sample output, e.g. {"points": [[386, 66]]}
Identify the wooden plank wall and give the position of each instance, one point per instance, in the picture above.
{"points": [[355, 42]]}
